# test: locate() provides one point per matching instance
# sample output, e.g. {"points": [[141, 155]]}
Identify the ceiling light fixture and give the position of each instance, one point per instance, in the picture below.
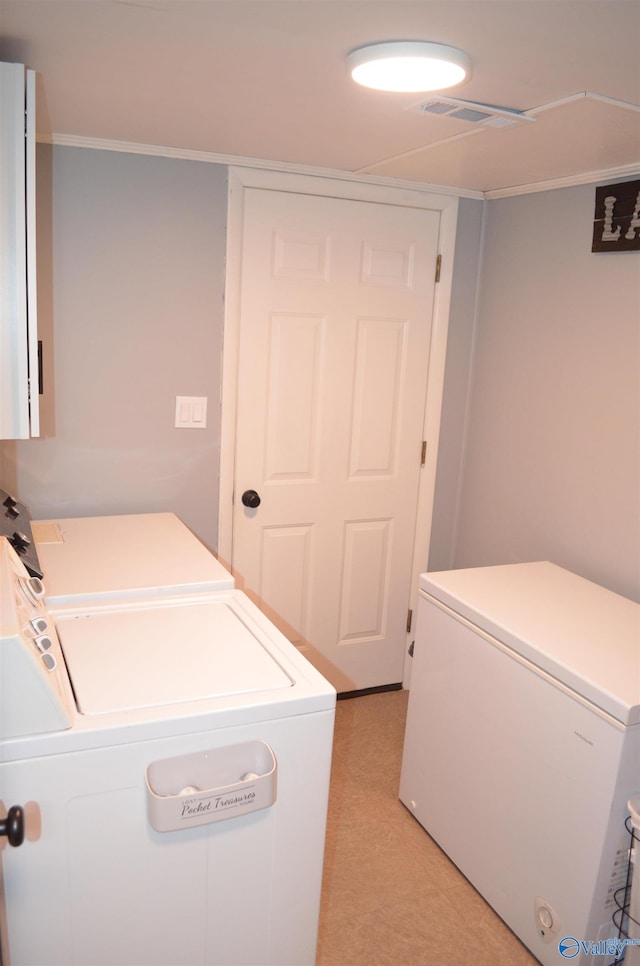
{"points": [[409, 65]]}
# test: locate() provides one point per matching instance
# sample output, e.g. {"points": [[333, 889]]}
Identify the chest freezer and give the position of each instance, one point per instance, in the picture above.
{"points": [[522, 744]]}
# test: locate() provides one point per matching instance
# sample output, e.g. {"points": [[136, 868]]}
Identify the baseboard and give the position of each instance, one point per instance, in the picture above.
{"points": [[342, 695]]}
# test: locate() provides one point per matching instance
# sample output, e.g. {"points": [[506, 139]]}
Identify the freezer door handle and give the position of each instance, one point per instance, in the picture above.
{"points": [[13, 825]]}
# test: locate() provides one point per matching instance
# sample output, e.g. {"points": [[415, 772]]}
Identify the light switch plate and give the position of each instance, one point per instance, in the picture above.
{"points": [[191, 412]]}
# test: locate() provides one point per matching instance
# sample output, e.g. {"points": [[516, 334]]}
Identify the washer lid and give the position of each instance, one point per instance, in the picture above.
{"points": [[585, 636], [165, 654]]}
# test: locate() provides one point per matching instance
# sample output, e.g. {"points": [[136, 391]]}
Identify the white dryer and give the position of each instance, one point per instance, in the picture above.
{"points": [[522, 747], [111, 557], [168, 759]]}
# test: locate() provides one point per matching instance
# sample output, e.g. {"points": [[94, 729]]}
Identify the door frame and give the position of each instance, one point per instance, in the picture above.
{"points": [[240, 179]]}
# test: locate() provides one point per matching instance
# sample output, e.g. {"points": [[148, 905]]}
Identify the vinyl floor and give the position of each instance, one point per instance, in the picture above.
{"points": [[390, 896]]}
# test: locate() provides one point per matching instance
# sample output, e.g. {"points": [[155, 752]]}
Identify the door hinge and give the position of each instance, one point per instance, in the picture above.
{"points": [[409, 619], [423, 454], [438, 267]]}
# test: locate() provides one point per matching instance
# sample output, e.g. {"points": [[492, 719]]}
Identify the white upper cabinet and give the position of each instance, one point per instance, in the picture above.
{"points": [[19, 385]]}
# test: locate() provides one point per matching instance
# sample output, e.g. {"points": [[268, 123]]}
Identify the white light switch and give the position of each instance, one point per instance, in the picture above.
{"points": [[191, 412]]}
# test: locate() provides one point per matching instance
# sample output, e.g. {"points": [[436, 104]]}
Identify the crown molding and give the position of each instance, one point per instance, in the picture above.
{"points": [[589, 177], [230, 160], [185, 154]]}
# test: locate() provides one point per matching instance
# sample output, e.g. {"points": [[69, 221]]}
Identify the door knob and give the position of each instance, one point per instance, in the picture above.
{"points": [[251, 499], [13, 825]]}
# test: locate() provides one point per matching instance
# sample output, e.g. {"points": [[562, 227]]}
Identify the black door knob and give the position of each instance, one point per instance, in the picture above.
{"points": [[13, 825], [251, 499]]}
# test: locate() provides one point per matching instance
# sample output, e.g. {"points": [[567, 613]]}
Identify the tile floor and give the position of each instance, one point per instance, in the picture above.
{"points": [[391, 897]]}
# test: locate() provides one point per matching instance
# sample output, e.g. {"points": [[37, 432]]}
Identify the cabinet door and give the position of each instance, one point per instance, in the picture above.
{"points": [[18, 310]]}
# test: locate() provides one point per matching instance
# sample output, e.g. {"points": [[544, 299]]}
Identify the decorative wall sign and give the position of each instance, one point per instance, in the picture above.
{"points": [[616, 225]]}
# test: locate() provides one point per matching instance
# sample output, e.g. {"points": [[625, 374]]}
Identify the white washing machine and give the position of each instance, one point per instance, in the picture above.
{"points": [[107, 558], [522, 747], [167, 761]]}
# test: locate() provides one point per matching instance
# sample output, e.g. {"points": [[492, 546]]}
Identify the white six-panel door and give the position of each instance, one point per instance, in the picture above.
{"points": [[336, 304]]}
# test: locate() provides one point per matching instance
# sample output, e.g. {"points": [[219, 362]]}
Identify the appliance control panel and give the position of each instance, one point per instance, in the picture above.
{"points": [[15, 525], [35, 684]]}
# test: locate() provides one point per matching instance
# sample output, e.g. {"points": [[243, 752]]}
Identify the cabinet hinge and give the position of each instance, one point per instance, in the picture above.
{"points": [[423, 453], [409, 619], [438, 267]]}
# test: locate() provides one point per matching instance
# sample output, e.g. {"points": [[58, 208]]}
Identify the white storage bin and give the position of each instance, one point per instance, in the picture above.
{"points": [[210, 786]]}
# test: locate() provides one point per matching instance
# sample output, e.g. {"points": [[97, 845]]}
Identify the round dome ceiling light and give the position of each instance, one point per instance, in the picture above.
{"points": [[409, 66]]}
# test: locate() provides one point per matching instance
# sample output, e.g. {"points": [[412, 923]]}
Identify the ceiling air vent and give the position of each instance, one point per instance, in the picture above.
{"points": [[469, 111]]}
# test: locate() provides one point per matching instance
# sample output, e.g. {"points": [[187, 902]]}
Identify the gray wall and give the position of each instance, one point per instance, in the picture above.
{"points": [[539, 455], [552, 455], [131, 274], [457, 379]]}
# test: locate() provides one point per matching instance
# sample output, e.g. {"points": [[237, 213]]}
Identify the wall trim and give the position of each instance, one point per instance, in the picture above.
{"points": [[207, 157], [607, 174], [263, 164]]}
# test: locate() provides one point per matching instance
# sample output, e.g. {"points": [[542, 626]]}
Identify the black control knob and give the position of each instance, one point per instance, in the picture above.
{"points": [[251, 499], [20, 542], [10, 506], [13, 825]]}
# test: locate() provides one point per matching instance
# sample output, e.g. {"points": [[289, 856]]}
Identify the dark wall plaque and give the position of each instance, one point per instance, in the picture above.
{"points": [[616, 224]]}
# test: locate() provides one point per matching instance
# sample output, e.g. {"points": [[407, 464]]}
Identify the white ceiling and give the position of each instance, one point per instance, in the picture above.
{"points": [[266, 79]]}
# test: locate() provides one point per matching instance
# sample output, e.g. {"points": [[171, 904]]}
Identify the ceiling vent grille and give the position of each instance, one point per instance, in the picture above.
{"points": [[469, 111]]}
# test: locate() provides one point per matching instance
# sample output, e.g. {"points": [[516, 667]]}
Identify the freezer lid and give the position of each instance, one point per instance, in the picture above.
{"points": [[122, 556], [585, 636]]}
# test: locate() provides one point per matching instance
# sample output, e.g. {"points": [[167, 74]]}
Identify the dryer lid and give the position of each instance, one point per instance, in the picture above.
{"points": [[125, 556]]}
